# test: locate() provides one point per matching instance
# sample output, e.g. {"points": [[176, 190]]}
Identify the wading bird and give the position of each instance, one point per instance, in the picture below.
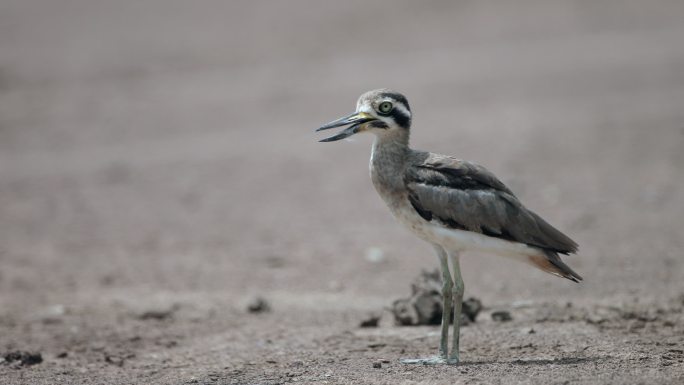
{"points": [[454, 205]]}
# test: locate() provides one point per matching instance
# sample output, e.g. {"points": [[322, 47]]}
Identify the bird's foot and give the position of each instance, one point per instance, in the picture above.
{"points": [[435, 360], [453, 357]]}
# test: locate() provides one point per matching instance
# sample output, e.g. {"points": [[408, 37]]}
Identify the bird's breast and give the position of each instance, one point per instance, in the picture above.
{"points": [[401, 209], [407, 216]]}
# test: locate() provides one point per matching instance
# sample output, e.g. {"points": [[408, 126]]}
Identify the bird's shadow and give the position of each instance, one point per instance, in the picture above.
{"points": [[532, 362]]}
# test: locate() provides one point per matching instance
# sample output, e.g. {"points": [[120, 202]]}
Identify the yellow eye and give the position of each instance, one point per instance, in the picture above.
{"points": [[385, 107]]}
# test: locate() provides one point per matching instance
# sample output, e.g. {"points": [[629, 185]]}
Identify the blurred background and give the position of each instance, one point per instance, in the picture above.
{"points": [[163, 151]]}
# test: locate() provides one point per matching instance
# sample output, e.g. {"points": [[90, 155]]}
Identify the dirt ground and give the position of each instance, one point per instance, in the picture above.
{"points": [[159, 171]]}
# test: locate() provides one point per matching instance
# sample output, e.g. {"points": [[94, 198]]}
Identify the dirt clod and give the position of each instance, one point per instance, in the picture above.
{"points": [[424, 307], [258, 305], [23, 358], [159, 314], [404, 312], [502, 316], [428, 307], [114, 360], [371, 321], [471, 308]]}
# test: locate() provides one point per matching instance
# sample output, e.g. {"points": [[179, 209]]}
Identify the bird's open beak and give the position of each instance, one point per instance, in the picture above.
{"points": [[356, 120]]}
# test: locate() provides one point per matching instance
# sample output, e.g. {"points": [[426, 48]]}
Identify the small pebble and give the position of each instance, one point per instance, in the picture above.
{"points": [[370, 322], [258, 305], [375, 255], [377, 365], [23, 358], [159, 313], [501, 316], [53, 314], [114, 360]]}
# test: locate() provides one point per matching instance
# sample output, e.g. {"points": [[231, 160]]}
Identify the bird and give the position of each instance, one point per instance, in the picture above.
{"points": [[455, 205]]}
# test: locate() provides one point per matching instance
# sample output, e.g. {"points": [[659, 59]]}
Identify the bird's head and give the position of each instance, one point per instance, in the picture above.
{"points": [[381, 112]]}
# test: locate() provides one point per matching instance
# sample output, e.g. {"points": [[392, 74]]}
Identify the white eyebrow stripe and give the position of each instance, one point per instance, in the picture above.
{"points": [[367, 108], [403, 109]]}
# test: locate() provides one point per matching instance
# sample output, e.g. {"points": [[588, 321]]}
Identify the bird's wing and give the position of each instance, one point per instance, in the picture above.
{"points": [[466, 196]]}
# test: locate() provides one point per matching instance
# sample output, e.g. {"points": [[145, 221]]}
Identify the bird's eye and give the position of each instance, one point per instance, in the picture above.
{"points": [[385, 107]]}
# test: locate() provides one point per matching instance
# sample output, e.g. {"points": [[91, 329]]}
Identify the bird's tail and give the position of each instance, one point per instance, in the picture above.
{"points": [[549, 262]]}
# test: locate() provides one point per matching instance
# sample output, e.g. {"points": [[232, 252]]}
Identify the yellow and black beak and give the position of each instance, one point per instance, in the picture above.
{"points": [[356, 120]]}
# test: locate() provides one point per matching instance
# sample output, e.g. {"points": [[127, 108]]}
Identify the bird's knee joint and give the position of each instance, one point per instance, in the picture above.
{"points": [[447, 288], [447, 282], [458, 290]]}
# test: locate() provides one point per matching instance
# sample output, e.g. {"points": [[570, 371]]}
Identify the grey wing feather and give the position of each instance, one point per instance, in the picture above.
{"points": [[467, 196]]}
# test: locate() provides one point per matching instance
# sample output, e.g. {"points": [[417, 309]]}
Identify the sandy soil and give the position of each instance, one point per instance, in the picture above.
{"points": [[158, 171]]}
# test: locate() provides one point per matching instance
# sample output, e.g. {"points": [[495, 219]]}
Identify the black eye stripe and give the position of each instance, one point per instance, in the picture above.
{"points": [[400, 118]]}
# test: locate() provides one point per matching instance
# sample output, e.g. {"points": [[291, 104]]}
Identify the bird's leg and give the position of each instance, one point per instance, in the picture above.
{"points": [[447, 285], [447, 290], [458, 289]]}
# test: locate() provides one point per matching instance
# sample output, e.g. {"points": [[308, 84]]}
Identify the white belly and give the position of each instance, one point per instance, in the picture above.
{"points": [[459, 240]]}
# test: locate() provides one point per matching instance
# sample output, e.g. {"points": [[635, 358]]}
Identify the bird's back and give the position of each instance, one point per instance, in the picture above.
{"points": [[460, 204], [466, 196]]}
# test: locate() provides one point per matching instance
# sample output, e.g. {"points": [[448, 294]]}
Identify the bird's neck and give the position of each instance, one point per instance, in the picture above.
{"points": [[388, 162]]}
